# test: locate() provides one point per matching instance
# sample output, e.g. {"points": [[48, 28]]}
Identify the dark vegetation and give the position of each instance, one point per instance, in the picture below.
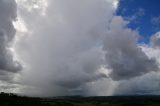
{"points": [[14, 100]]}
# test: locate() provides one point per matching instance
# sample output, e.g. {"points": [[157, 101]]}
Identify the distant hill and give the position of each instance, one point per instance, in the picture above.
{"points": [[9, 99]]}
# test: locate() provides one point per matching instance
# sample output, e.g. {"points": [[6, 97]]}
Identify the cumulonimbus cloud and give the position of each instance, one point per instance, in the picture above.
{"points": [[66, 45]]}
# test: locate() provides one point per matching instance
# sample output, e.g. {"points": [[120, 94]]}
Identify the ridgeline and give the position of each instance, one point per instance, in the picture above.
{"points": [[9, 99]]}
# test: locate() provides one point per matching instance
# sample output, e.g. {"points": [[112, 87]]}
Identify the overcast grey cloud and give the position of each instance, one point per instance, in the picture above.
{"points": [[8, 13], [147, 84]]}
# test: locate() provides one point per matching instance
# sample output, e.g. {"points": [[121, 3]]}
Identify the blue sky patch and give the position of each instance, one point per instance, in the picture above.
{"points": [[144, 16]]}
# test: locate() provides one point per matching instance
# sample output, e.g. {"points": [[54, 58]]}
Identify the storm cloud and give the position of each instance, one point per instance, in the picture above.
{"points": [[123, 55], [70, 47], [8, 13], [62, 51]]}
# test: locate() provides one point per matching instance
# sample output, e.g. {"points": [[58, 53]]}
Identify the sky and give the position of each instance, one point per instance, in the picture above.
{"points": [[144, 15], [80, 47]]}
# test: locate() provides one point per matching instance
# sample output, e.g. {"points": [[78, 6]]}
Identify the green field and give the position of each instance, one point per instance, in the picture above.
{"points": [[14, 100]]}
